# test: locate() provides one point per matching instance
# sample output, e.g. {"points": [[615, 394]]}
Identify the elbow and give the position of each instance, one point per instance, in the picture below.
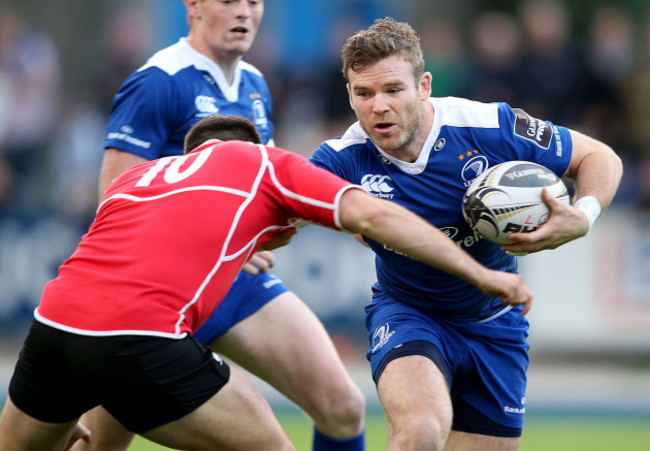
{"points": [[360, 212]]}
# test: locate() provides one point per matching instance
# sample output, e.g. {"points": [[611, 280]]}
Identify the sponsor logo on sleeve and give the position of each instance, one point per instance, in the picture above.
{"points": [[532, 129], [125, 135], [558, 142]]}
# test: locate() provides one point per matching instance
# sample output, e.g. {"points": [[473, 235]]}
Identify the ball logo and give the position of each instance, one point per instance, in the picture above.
{"points": [[507, 198], [440, 143], [206, 105], [525, 175], [126, 129]]}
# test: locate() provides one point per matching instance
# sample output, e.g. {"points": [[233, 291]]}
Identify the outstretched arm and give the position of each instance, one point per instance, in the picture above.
{"points": [[115, 162], [402, 230], [597, 171]]}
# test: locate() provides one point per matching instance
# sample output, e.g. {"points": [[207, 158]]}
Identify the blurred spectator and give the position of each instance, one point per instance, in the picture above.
{"points": [[76, 149], [494, 55], [6, 181], [612, 51], [127, 41], [75, 160], [444, 55], [609, 54], [636, 91], [337, 111], [551, 67], [30, 74]]}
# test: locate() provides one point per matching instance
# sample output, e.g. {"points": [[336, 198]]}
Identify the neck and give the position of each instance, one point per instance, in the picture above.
{"points": [[226, 61]]}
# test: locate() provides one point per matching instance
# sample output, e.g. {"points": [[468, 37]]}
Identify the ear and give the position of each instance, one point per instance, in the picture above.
{"points": [[425, 86], [347, 85], [192, 8]]}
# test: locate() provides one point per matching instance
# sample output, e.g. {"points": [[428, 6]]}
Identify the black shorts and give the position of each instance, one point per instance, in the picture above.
{"points": [[142, 381]]}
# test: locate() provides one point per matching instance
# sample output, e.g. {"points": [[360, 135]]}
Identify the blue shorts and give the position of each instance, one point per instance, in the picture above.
{"points": [[485, 364], [247, 295]]}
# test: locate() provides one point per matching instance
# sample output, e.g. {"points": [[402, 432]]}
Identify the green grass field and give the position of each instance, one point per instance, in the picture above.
{"points": [[548, 433]]}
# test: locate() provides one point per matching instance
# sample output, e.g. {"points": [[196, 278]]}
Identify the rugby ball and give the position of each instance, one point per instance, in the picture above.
{"points": [[507, 198]]}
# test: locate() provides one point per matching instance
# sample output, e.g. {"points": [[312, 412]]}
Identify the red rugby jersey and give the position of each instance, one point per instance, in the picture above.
{"points": [[170, 236]]}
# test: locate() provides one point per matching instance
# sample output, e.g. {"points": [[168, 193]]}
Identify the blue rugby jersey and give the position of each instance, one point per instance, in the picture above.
{"points": [[178, 86], [466, 138]]}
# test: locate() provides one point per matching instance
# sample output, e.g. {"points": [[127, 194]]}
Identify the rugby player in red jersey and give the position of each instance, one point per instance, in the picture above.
{"points": [[114, 328]]}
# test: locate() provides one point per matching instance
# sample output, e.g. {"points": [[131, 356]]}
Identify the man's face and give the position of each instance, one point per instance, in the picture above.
{"points": [[228, 26], [388, 102]]}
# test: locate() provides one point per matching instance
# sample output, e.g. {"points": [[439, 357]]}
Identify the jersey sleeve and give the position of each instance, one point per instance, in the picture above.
{"points": [[523, 137], [327, 158], [266, 127], [140, 115], [308, 191]]}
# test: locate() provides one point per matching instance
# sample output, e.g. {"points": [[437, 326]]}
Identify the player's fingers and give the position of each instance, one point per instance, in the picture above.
{"points": [[268, 257], [251, 269], [262, 260]]}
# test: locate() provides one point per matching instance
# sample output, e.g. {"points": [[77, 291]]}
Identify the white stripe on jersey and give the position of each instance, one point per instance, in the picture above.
{"points": [[104, 333], [258, 178], [178, 56], [171, 193], [353, 135], [457, 112]]}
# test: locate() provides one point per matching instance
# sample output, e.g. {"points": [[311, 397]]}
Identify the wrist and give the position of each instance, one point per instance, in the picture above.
{"points": [[590, 206]]}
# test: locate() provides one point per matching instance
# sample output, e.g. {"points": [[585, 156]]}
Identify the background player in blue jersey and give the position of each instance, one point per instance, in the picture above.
{"points": [[449, 362], [260, 325]]}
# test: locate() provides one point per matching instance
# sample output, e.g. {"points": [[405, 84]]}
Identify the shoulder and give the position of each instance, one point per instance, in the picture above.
{"points": [[459, 112], [353, 137], [250, 69], [174, 58], [251, 77]]}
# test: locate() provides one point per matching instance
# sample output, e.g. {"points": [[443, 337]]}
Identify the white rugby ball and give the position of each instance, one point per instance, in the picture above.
{"points": [[507, 198]]}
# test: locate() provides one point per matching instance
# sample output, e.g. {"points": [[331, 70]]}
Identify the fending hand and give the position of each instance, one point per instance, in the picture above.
{"points": [[510, 288], [261, 261]]}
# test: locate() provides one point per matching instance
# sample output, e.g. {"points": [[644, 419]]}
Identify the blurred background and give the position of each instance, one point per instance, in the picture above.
{"points": [[579, 63]]}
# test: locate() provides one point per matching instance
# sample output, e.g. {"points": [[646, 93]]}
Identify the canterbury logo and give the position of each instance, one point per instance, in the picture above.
{"points": [[377, 184], [206, 105]]}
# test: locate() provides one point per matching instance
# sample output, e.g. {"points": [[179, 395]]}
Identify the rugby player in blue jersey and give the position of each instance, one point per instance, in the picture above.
{"points": [[261, 325], [450, 362]]}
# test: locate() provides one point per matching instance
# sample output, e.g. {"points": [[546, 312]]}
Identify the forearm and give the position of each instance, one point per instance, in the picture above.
{"points": [[407, 233], [114, 164]]}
